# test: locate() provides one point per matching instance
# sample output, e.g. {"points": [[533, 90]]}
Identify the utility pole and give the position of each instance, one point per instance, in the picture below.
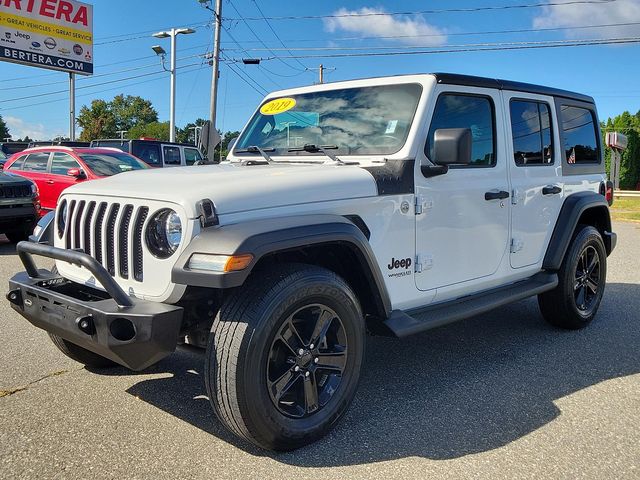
{"points": [[72, 107], [217, 27], [321, 69]]}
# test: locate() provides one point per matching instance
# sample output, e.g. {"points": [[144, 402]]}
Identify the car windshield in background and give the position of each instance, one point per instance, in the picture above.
{"points": [[358, 121], [107, 164]]}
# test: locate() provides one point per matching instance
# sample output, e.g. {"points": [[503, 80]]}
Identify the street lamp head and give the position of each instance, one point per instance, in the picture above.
{"points": [[161, 35], [185, 31], [158, 50]]}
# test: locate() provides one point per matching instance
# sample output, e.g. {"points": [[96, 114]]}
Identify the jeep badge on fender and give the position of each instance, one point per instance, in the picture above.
{"points": [[276, 261]]}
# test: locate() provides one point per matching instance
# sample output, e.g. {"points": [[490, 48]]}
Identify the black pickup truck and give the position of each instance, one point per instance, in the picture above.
{"points": [[19, 207]]}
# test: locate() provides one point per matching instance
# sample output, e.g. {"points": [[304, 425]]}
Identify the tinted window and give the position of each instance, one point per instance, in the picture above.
{"points": [[191, 155], [36, 162], [150, 153], [465, 111], [107, 164], [531, 132], [580, 141], [171, 155], [62, 163], [17, 165]]}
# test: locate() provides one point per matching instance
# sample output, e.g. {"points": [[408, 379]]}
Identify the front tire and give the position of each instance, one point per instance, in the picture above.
{"points": [[81, 355], [582, 276], [284, 356]]}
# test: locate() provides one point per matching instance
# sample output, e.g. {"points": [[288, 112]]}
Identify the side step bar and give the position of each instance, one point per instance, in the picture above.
{"points": [[403, 324]]}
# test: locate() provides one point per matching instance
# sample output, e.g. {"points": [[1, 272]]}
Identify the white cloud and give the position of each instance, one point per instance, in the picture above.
{"points": [[18, 128], [412, 30], [620, 11]]}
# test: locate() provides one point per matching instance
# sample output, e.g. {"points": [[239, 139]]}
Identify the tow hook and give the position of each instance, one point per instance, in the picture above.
{"points": [[15, 297], [86, 325]]}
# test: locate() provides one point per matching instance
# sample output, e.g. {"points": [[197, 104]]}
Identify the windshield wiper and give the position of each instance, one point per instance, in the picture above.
{"points": [[312, 148], [261, 151]]}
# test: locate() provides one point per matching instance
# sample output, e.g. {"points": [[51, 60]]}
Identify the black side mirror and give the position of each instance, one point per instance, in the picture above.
{"points": [[451, 146]]}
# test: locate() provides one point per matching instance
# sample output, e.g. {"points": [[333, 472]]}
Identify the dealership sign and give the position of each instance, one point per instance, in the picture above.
{"points": [[54, 34]]}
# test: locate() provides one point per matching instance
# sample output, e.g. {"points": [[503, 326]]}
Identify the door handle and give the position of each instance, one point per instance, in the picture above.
{"points": [[496, 195], [551, 190], [50, 182]]}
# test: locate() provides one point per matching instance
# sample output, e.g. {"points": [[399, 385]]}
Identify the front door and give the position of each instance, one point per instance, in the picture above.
{"points": [[536, 176], [462, 233]]}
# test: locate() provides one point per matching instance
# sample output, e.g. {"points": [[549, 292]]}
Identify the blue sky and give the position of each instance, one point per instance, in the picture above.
{"points": [[123, 49]]}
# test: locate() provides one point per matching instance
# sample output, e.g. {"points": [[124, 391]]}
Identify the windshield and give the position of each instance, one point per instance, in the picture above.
{"points": [[107, 164], [353, 121]]}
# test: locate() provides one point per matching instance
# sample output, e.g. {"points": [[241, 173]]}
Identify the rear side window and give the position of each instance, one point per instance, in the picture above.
{"points": [[171, 155], [191, 155], [62, 163], [467, 111], [36, 162], [149, 154], [579, 132], [531, 132], [17, 165]]}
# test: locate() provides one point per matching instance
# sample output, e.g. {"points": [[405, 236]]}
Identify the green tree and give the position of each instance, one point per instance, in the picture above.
{"points": [[4, 130], [130, 111], [97, 121], [159, 130]]}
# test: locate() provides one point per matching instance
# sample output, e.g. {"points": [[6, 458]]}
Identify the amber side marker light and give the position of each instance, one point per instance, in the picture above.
{"points": [[219, 263]]}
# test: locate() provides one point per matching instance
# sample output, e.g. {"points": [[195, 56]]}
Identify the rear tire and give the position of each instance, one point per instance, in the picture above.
{"points": [[284, 356], [582, 277]]}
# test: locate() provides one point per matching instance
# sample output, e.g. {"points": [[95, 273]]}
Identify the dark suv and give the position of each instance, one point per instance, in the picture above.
{"points": [[19, 206]]}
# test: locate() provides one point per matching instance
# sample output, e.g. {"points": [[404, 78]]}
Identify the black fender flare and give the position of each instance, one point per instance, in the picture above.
{"points": [[264, 237], [574, 206]]}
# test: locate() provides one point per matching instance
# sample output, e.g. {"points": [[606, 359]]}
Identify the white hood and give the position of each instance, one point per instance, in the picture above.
{"points": [[234, 188]]}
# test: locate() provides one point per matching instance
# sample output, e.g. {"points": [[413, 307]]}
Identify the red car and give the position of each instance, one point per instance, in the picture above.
{"points": [[55, 168]]}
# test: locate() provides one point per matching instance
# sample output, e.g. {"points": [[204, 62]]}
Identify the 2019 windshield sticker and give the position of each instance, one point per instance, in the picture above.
{"points": [[279, 105]]}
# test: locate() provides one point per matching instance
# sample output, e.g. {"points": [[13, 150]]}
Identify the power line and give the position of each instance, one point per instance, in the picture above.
{"points": [[630, 40], [424, 12]]}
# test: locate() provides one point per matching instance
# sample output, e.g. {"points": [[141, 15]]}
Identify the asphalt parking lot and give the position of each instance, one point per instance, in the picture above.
{"points": [[502, 395]]}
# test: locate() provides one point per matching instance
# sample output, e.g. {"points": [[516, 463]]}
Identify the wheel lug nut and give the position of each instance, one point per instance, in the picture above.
{"points": [[296, 369], [307, 374], [311, 346], [300, 351], [316, 360]]}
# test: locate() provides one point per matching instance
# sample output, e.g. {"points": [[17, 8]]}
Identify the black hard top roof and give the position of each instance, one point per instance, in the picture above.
{"points": [[469, 80]]}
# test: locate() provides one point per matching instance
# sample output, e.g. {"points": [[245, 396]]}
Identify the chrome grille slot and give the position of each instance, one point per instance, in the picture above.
{"points": [[137, 243], [123, 241], [110, 240]]}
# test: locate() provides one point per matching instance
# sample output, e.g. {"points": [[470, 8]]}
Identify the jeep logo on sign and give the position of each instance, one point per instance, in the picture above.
{"points": [[395, 263]]}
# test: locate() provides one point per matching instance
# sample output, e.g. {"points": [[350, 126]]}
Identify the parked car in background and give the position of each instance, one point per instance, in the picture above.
{"points": [[9, 148], [19, 206], [59, 143], [55, 168], [155, 153]]}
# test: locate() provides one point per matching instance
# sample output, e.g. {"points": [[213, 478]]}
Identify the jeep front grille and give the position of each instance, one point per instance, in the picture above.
{"points": [[109, 232], [15, 191]]}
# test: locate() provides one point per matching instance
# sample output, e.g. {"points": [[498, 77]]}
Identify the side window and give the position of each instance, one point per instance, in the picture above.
{"points": [[580, 141], [467, 111], [531, 132], [62, 163], [149, 154], [191, 155], [36, 162], [17, 165], [171, 155]]}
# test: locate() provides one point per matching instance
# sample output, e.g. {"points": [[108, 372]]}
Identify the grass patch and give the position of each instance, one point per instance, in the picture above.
{"points": [[626, 208]]}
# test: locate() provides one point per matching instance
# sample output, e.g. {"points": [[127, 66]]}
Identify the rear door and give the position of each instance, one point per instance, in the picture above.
{"points": [[536, 175], [35, 168]]}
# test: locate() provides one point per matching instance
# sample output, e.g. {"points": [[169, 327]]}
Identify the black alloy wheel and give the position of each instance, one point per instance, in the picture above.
{"points": [[306, 361], [587, 279]]}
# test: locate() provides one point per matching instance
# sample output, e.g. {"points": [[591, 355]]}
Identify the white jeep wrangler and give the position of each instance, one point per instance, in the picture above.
{"points": [[393, 205]]}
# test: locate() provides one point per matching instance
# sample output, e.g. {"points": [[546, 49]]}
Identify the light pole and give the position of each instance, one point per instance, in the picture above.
{"points": [[173, 33]]}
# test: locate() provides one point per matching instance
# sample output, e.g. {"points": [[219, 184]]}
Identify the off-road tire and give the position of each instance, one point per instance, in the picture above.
{"points": [[240, 348], [81, 355], [560, 306]]}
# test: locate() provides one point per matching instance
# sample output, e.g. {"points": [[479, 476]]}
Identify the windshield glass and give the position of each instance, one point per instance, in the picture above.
{"points": [[107, 164], [358, 121]]}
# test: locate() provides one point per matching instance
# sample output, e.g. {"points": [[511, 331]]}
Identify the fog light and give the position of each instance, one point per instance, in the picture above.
{"points": [[219, 263]]}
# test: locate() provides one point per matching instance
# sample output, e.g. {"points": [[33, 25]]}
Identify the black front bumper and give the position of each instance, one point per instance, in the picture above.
{"points": [[134, 333]]}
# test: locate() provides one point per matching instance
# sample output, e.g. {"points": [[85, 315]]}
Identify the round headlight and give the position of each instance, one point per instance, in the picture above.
{"points": [[62, 218], [164, 233]]}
